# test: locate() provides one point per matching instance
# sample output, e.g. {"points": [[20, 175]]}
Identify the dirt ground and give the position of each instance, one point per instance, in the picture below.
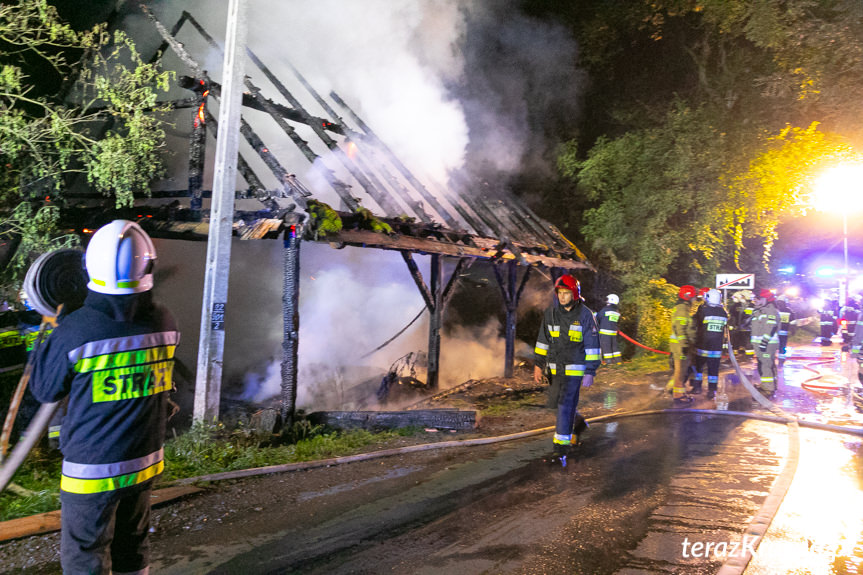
{"points": [[504, 406]]}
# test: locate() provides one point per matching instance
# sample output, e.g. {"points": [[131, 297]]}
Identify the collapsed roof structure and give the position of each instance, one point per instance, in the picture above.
{"points": [[382, 204]]}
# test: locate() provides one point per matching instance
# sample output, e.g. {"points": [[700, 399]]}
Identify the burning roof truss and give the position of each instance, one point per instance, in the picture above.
{"points": [[465, 220]]}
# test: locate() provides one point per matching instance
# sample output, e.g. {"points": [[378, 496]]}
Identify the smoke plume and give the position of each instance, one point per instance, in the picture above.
{"points": [[446, 84]]}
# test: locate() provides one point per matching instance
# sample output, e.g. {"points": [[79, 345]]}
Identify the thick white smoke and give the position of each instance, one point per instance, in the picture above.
{"points": [[429, 87]]}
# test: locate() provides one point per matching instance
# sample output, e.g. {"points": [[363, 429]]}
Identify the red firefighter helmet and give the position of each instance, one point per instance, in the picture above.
{"points": [[686, 292], [566, 281], [767, 294], [703, 292]]}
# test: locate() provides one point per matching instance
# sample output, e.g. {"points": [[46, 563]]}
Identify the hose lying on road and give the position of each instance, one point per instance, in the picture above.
{"points": [[641, 345]]}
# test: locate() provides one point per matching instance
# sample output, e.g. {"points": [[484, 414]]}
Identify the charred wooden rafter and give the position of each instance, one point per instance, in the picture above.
{"points": [[428, 197], [368, 179], [521, 235]]}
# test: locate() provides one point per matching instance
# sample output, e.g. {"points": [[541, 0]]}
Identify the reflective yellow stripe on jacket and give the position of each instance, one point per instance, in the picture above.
{"points": [[87, 478]]}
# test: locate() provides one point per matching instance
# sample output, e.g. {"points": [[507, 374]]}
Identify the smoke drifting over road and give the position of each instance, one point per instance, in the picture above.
{"points": [[448, 85]]}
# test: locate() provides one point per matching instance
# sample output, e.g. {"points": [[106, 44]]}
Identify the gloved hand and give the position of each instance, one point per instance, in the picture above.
{"points": [[587, 380], [762, 347]]}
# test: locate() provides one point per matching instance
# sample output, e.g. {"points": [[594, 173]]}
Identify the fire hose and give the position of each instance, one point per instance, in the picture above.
{"points": [[629, 339], [56, 281]]}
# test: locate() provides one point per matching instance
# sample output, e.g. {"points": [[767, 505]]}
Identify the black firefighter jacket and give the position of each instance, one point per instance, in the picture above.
{"points": [[568, 341], [114, 359]]}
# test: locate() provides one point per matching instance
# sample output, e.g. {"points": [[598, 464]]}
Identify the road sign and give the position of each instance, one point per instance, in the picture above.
{"points": [[735, 281]]}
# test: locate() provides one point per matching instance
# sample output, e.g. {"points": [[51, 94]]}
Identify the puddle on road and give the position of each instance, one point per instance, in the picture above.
{"points": [[819, 527], [805, 382]]}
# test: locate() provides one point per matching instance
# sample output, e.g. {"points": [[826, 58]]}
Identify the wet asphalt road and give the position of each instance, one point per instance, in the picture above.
{"points": [[654, 494], [669, 493], [628, 502]]}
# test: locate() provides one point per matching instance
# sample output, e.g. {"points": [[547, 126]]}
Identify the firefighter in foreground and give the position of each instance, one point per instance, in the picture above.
{"points": [[607, 318], [710, 321], [765, 340], [679, 341], [568, 345], [113, 358]]}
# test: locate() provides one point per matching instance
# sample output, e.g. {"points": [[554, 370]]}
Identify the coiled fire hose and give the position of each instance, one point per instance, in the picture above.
{"points": [[56, 281]]}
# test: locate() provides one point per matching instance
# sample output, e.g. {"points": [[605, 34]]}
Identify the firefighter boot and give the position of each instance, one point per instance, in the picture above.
{"points": [[559, 455], [579, 427]]}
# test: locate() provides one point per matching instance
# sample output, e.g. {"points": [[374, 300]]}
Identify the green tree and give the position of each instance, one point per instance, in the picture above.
{"points": [[102, 123], [692, 164]]}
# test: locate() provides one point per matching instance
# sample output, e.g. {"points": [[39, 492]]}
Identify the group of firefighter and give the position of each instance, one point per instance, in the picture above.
{"points": [[573, 342], [758, 328]]}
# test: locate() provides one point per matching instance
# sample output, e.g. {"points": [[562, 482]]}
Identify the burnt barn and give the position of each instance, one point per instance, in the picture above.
{"points": [[354, 191]]}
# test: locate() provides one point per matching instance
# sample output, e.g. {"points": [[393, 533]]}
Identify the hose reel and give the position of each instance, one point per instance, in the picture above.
{"points": [[57, 277]]}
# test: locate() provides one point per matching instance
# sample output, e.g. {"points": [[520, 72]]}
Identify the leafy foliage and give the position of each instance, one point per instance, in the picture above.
{"points": [[694, 166], [323, 220], [104, 123]]}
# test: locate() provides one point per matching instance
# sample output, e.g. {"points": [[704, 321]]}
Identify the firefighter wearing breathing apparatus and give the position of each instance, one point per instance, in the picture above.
{"points": [[679, 342], [113, 358], [765, 340], [568, 346], [607, 318], [710, 321]]}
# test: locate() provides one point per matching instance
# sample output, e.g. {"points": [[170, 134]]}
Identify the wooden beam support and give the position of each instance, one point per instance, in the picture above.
{"points": [[435, 320], [418, 279], [511, 292], [291, 317]]}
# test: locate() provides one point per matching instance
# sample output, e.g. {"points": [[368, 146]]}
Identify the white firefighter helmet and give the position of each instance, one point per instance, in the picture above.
{"points": [[713, 297], [120, 259], [612, 299]]}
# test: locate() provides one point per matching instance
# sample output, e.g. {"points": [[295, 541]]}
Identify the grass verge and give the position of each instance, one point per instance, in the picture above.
{"points": [[203, 450]]}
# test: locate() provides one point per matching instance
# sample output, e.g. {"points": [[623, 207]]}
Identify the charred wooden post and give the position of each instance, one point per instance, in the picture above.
{"points": [[291, 317], [377, 420], [511, 294], [174, 31], [435, 320], [198, 146]]}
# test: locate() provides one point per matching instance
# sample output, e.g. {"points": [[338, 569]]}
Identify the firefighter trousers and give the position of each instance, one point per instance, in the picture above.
{"points": [[610, 351], [569, 387], [712, 364], [680, 356], [105, 533], [767, 367]]}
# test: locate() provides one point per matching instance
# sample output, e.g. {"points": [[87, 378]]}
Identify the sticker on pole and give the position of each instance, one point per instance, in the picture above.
{"points": [[735, 281], [218, 317]]}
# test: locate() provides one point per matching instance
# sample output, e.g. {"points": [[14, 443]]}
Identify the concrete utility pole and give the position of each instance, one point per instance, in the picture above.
{"points": [[211, 347]]}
